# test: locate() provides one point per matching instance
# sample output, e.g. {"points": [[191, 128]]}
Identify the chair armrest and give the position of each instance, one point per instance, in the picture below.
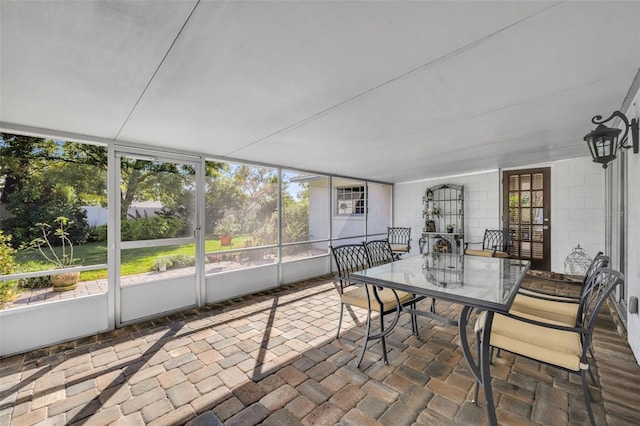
{"points": [[466, 245], [554, 280], [550, 297], [480, 323], [541, 294], [546, 324]]}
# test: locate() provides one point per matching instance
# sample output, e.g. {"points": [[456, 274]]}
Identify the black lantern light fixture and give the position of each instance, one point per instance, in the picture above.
{"points": [[603, 141]]}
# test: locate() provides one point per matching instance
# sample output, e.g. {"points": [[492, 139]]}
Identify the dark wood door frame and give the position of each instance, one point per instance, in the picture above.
{"points": [[527, 211]]}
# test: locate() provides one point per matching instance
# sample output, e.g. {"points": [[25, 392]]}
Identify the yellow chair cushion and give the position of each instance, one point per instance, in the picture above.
{"points": [[486, 253], [562, 313], [358, 297], [560, 297], [399, 247], [555, 347]]}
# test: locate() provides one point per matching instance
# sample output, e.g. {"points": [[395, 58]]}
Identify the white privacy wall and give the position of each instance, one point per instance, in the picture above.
{"points": [[577, 206]]}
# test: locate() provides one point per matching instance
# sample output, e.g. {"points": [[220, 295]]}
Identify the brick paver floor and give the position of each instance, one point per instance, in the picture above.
{"points": [[272, 359]]}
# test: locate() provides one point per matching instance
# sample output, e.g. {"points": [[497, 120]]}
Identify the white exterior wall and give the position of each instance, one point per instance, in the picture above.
{"points": [[578, 209], [633, 234], [319, 209], [577, 206], [379, 208], [344, 226]]}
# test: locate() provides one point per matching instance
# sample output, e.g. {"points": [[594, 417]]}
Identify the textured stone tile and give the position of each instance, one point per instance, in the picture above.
{"points": [[175, 417], [279, 397], [301, 406], [249, 393], [115, 395], [232, 377], [372, 406], [156, 409], [229, 408], [282, 418], [547, 414], [171, 378], [314, 391], [206, 419], [74, 401], [182, 394], [292, 375], [253, 414], [137, 403], [348, 397], [326, 414]]}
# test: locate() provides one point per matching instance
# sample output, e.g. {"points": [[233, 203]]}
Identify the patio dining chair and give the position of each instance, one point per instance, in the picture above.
{"points": [[554, 307], [495, 243], [400, 240], [555, 344], [380, 252], [352, 258]]}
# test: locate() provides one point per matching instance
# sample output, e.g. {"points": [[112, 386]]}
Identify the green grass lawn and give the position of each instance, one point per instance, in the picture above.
{"points": [[134, 261]]}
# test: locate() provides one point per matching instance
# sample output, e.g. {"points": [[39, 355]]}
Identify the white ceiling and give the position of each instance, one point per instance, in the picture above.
{"points": [[390, 91]]}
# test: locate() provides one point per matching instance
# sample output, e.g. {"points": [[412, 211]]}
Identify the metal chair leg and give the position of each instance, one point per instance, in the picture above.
{"points": [[340, 320], [474, 401], [414, 321], [593, 378], [382, 339], [587, 397], [366, 338]]}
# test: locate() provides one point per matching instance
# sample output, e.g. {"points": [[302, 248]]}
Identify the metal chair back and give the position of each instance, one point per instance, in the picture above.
{"points": [[600, 285], [379, 252], [349, 258], [498, 239], [399, 235]]}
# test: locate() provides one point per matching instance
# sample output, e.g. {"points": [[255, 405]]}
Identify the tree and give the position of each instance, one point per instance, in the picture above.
{"points": [[260, 186], [295, 217], [20, 158], [223, 196]]}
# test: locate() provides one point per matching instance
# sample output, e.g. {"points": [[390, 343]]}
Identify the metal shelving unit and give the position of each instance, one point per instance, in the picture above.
{"points": [[443, 219]]}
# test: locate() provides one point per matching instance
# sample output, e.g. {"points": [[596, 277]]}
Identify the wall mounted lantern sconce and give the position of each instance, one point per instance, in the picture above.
{"points": [[603, 141]]}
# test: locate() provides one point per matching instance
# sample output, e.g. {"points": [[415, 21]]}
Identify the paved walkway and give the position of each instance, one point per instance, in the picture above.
{"points": [[273, 359]]}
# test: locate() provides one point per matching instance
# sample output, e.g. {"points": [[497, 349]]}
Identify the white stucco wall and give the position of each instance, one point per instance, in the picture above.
{"points": [[481, 204], [633, 234], [319, 208], [379, 211]]}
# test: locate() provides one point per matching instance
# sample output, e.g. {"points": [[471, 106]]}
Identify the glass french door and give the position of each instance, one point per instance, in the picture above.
{"points": [[527, 212], [157, 235]]}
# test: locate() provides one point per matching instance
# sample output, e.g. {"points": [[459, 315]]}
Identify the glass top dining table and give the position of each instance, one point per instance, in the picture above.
{"points": [[481, 283]]}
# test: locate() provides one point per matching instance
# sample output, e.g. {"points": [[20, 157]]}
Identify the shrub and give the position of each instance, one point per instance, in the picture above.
{"points": [[35, 282], [7, 266], [7, 252], [35, 204], [174, 261], [147, 228]]}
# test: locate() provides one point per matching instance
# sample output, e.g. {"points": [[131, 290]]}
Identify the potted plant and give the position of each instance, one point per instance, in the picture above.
{"points": [[430, 226], [225, 230], [450, 227], [64, 258]]}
